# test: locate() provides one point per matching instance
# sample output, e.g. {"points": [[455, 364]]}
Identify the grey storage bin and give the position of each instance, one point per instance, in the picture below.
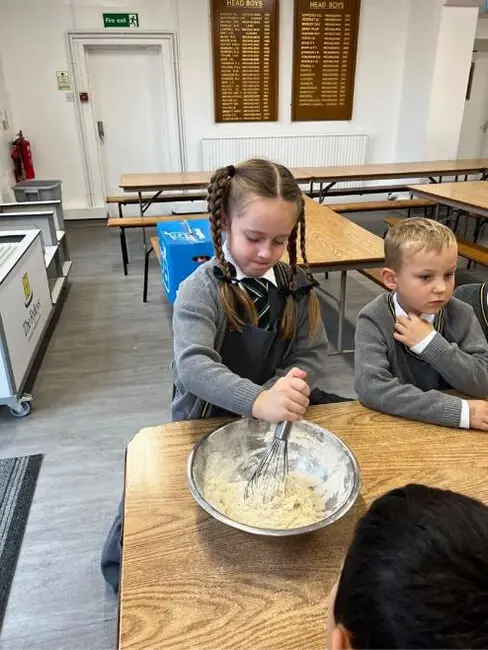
{"points": [[37, 191]]}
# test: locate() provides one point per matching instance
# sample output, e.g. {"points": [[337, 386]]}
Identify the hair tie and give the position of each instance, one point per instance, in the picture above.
{"points": [[300, 292], [231, 171], [222, 276]]}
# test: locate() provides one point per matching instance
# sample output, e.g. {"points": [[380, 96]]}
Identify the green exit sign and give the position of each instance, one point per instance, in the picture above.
{"points": [[121, 20]]}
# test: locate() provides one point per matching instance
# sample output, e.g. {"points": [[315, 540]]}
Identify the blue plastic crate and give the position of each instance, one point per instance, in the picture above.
{"points": [[184, 245]]}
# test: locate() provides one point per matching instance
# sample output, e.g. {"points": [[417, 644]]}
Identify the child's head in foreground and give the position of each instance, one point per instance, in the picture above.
{"points": [[415, 575], [420, 264]]}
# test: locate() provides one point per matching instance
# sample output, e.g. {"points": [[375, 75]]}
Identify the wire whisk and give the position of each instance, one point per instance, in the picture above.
{"points": [[271, 473]]}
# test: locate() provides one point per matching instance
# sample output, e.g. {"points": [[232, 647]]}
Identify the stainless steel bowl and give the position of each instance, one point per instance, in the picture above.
{"points": [[312, 450]]}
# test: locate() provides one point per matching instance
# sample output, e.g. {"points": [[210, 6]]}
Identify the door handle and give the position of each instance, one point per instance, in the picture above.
{"points": [[101, 132]]}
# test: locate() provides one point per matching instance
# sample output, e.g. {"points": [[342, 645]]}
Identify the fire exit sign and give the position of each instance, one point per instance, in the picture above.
{"points": [[121, 20]]}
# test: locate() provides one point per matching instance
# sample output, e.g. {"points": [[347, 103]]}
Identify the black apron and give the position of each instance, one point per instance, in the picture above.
{"points": [[420, 372], [254, 353]]}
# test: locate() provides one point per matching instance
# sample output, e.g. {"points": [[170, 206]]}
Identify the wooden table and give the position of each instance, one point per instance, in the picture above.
{"points": [[335, 243], [470, 196], [433, 170], [157, 183], [189, 581]]}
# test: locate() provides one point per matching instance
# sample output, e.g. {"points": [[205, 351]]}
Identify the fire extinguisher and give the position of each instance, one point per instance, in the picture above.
{"points": [[21, 154]]}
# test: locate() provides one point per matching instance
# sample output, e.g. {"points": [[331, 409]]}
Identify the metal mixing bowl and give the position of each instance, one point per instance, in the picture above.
{"points": [[312, 450]]}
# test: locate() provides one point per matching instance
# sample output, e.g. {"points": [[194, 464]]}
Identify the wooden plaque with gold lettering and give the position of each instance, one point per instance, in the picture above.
{"points": [[324, 63], [245, 60]]}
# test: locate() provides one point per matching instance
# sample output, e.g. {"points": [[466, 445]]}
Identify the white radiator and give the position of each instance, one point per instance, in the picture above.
{"points": [[292, 151]]}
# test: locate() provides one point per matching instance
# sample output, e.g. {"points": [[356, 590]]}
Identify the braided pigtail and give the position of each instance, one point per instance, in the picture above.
{"points": [[234, 300], [288, 320]]}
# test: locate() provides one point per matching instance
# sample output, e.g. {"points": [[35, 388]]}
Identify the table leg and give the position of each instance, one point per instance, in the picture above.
{"points": [[325, 191], [123, 249], [147, 253], [457, 218], [342, 313], [480, 223], [123, 243], [142, 209]]}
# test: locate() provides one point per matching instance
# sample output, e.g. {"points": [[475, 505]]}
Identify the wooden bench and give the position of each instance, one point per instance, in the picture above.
{"points": [[371, 206], [147, 222], [358, 190], [157, 251], [473, 252], [468, 250], [155, 247], [392, 221], [166, 197], [374, 275], [124, 223]]}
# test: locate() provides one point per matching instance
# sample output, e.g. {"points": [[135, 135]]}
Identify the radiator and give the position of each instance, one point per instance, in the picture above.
{"points": [[292, 151]]}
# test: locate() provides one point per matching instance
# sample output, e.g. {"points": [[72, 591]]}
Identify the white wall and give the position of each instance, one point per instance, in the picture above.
{"points": [[49, 121], [378, 78], [384, 81], [40, 109], [482, 27], [453, 61], [6, 176], [420, 55]]}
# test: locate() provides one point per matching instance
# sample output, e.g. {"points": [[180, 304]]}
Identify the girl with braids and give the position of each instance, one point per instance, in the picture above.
{"points": [[248, 337]]}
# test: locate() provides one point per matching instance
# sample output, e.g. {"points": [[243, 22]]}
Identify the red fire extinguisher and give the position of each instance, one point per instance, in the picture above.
{"points": [[21, 154]]}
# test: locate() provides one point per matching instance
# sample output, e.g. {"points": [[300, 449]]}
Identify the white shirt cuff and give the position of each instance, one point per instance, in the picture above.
{"points": [[419, 347], [464, 423]]}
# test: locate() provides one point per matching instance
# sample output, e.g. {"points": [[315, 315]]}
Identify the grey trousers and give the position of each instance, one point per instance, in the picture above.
{"points": [[112, 551]]}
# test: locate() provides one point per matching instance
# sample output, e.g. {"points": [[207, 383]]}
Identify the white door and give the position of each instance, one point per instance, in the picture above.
{"points": [[473, 141], [134, 112]]}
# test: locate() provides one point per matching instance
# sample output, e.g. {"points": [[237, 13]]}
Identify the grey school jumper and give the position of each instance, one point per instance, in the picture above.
{"points": [[200, 325], [476, 295], [202, 341], [392, 379]]}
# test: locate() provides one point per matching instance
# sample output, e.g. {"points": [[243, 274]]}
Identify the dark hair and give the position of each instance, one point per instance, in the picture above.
{"points": [[416, 573], [229, 191]]}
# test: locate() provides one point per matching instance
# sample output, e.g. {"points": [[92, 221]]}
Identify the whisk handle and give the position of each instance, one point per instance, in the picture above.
{"points": [[282, 430]]}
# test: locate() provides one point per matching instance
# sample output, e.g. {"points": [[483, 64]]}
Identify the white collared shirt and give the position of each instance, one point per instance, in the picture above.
{"points": [[419, 347], [269, 275]]}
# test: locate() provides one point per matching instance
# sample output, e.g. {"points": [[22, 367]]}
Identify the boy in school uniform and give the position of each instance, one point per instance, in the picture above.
{"points": [[417, 341], [415, 575], [476, 295]]}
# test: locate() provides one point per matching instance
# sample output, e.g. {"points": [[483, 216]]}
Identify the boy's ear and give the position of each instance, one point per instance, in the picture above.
{"points": [[389, 278], [340, 639]]}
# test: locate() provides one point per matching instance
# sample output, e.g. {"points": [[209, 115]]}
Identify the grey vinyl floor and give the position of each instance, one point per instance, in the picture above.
{"points": [[104, 376]]}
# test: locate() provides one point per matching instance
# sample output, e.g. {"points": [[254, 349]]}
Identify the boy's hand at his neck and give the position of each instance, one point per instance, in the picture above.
{"points": [[411, 330]]}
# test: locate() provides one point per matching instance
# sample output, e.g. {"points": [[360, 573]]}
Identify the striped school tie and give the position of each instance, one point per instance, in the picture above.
{"points": [[258, 290]]}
